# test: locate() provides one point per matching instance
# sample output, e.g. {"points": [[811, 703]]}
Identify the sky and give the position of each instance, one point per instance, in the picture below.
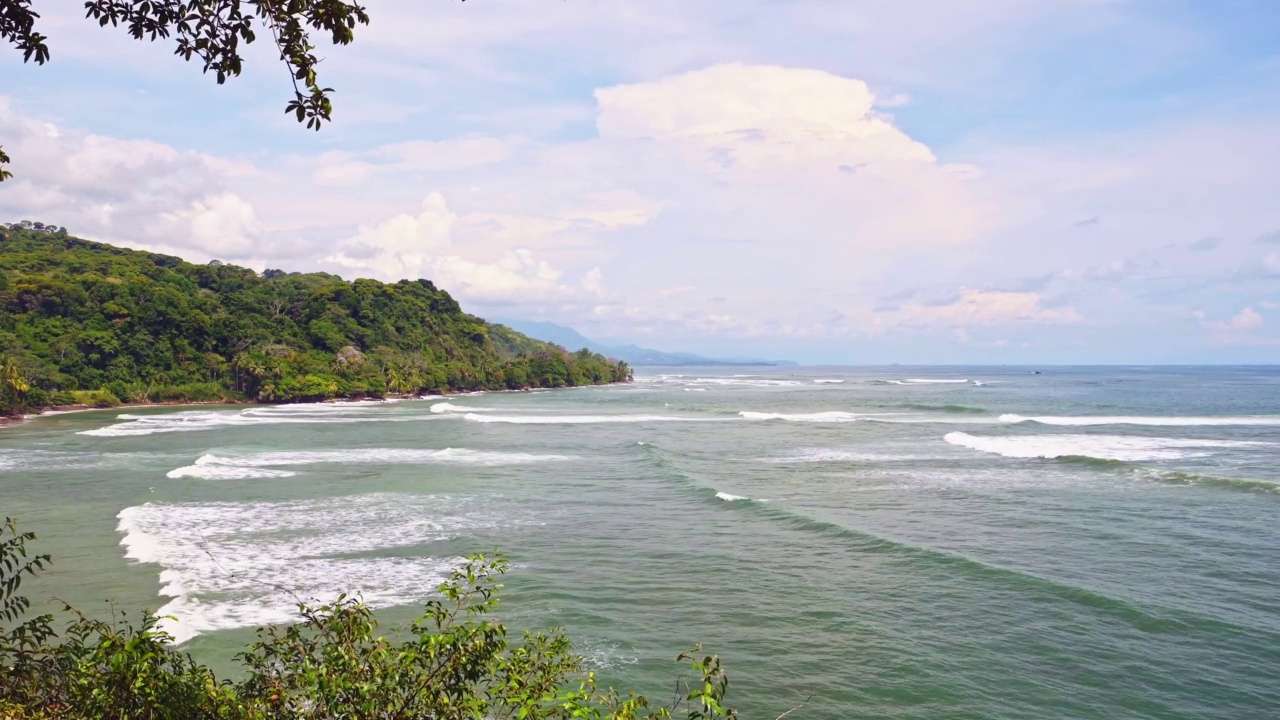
{"points": [[826, 181]]}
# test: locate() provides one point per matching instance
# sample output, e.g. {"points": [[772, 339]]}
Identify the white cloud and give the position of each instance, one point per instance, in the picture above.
{"points": [[223, 223], [1247, 319], [773, 144], [404, 242], [135, 193], [414, 246], [1243, 328], [980, 308], [763, 114]]}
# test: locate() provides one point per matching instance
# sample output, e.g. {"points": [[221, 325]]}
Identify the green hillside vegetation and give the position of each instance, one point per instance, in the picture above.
{"points": [[92, 324]]}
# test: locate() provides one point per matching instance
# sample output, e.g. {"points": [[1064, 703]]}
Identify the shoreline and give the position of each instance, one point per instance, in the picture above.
{"points": [[7, 421]]}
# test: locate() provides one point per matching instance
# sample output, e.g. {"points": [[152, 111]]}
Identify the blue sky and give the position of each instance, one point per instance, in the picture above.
{"points": [[865, 182]]}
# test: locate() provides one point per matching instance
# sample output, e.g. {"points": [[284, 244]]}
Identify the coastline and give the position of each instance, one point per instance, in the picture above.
{"points": [[7, 421]]}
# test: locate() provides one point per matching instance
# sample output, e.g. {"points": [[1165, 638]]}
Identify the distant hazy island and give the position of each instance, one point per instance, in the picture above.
{"points": [[631, 354], [83, 323]]}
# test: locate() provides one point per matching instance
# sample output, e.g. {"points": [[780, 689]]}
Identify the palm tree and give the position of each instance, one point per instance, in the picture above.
{"points": [[12, 375], [251, 365], [13, 386], [395, 381]]}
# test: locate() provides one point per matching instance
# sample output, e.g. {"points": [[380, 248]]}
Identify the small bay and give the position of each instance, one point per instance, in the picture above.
{"points": [[967, 542]]}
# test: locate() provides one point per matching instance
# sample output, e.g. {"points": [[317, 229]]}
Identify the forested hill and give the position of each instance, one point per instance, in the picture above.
{"points": [[83, 322]]}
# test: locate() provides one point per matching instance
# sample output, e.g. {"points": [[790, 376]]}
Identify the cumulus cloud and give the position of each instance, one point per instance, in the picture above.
{"points": [[224, 223], [1247, 319], [401, 246], [418, 246], [762, 115], [812, 138], [1246, 327], [109, 188]]}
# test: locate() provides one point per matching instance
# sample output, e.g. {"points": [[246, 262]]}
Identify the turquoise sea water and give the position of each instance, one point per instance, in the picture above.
{"points": [[1081, 543]]}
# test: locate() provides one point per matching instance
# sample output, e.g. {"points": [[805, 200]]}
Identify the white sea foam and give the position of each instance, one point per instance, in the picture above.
{"points": [[215, 471], [444, 407], [747, 381], [935, 381], [953, 419], [837, 416], [227, 565], [733, 381], [334, 406], [821, 455], [576, 419], [832, 416], [729, 497], [602, 655], [219, 467], [826, 381], [195, 420], [1102, 447], [1081, 420]]}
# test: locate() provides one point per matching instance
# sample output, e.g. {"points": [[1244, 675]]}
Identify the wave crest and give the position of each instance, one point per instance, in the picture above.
{"points": [[832, 416], [218, 467], [575, 419], [1172, 421], [222, 562], [1100, 447]]}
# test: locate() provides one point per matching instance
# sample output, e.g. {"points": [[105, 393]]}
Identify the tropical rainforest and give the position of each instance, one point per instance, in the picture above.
{"points": [[84, 323]]}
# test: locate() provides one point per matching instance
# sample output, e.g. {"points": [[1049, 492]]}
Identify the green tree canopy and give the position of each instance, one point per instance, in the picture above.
{"points": [[90, 324]]}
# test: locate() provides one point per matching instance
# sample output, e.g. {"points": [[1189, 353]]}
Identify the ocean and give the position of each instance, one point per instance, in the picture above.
{"points": [[975, 542]]}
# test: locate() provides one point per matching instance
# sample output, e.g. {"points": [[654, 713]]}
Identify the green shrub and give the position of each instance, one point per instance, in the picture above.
{"points": [[122, 391], [61, 398], [94, 398], [192, 392], [36, 398]]}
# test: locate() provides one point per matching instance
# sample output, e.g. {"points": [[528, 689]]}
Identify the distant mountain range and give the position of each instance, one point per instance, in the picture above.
{"points": [[571, 339]]}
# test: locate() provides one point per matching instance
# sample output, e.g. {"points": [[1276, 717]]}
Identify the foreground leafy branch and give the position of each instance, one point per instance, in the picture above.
{"points": [[213, 32], [456, 663]]}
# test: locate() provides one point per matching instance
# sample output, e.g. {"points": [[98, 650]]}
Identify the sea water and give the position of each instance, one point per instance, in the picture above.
{"points": [[873, 542]]}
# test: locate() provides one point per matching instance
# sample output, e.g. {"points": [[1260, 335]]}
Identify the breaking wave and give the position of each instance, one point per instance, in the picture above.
{"points": [[444, 407], [228, 565], [576, 419], [196, 420], [218, 467], [833, 416], [1083, 420], [1101, 447], [819, 455]]}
